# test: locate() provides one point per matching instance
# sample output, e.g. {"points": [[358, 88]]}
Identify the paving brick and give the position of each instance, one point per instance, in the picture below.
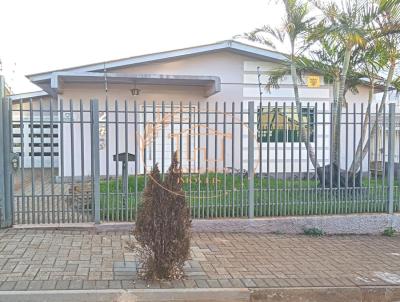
{"points": [[190, 283], [76, 284], [35, 259], [35, 285], [114, 284], [202, 283], [89, 284], [63, 284], [49, 285], [128, 284], [21, 285]]}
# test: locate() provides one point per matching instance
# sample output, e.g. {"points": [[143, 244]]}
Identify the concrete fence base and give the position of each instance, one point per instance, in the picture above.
{"points": [[336, 224]]}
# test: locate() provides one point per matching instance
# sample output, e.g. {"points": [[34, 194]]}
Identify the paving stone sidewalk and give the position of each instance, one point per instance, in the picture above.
{"points": [[56, 259]]}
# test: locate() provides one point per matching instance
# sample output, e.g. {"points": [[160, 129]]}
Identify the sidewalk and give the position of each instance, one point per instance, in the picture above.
{"points": [[55, 259]]}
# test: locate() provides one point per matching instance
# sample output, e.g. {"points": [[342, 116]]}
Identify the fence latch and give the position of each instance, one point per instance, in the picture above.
{"points": [[15, 161]]}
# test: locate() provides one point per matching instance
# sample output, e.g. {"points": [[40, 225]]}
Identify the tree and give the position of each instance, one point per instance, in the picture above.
{"points": [[163, 226], [354, 26], [387, 54], [296, 24]]}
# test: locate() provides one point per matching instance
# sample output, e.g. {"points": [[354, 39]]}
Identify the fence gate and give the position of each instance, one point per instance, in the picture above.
{"points": [[45, 184]]}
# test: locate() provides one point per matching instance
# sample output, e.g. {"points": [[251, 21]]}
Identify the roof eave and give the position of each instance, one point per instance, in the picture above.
{"points": [[168, 55]]}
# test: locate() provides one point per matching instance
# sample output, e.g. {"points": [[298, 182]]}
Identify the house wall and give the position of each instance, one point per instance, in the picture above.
{"points": [[239, 83]]}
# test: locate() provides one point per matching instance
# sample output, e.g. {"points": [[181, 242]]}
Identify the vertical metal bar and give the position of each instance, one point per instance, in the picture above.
{"points": [[172, 131], [180, 133], [82, 159], [384, 156], [32, 151], [2, 151], [376, 159], [115, 209], [126, 180], [61, 153], [241, 160], [315, 138], [42, 167], [72, 126], [198, 160], [362, 201], [276, 139], [22, 141], [154, 125], [323, 157], [162, 138], [354, 154], [250, 147], [260, 155], [369, 159], [136, 155], [332, 126], [283, 204], [347, 159], [144, 142], [96, 159], [52, 165], [391, 150], [207, 159], [189, 154], [308, 158], [6, 178], [268, 156], [108, 159], [337, 200], [233, 160], [216, 157], [226, 205], [301, 201], [292, 194]]}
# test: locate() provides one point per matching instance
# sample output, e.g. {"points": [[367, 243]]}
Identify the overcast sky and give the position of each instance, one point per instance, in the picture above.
{"points": [[44, 35]]}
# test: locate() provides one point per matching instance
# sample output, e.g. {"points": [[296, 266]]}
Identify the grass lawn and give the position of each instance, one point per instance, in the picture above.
{"points": [[219, 195]]}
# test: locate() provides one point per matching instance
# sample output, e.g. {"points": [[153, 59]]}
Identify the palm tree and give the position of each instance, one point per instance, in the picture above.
{"points": [[296, 24], [345, 25], [387, 51], [354, 25]]}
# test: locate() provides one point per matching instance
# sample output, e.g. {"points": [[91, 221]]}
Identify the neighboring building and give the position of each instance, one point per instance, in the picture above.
{"points": [[215, 73]]}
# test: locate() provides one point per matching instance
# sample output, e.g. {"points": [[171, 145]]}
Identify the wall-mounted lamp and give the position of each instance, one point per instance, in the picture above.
{"points": [[135, 91]]}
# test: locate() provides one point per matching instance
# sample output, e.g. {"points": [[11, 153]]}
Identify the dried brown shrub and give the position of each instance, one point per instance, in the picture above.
{"points": [[163, 226]]}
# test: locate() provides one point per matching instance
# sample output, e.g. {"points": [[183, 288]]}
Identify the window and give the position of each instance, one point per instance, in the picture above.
{"points": [[279, 126]]}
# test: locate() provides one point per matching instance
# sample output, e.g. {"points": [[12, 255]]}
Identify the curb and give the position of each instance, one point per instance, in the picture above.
{"points": [[134, 295], [294, 294], [327, 294]]}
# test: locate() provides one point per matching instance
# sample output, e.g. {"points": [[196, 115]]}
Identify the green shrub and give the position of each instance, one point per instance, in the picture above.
{"points": [[390, 232], [313, 232]]}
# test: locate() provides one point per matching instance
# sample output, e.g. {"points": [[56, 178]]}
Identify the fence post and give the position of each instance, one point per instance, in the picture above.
{"points": [[6, 218], [391, 142], [94, 110], [250, 155]]}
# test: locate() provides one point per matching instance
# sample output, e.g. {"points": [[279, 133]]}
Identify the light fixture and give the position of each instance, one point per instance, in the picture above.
{"points": [[135, 91]]}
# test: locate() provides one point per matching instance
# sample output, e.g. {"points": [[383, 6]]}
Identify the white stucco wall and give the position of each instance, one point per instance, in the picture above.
{"points": [[239, 84]]}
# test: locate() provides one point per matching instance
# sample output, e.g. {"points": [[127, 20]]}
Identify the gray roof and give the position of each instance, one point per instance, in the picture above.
{"points": [[230, 45]]}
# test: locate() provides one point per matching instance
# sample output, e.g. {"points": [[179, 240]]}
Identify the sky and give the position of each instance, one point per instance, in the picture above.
{"points": [[45, 35]]}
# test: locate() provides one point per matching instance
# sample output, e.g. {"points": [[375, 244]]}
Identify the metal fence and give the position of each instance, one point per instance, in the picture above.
{"points": [[79, 161]]}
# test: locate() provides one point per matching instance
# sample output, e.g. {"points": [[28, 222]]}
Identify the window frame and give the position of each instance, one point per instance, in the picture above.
{"points": [[278, 135]]}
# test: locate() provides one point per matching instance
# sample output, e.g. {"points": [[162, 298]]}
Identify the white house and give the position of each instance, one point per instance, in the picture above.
{"points": [[220, 72]]}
